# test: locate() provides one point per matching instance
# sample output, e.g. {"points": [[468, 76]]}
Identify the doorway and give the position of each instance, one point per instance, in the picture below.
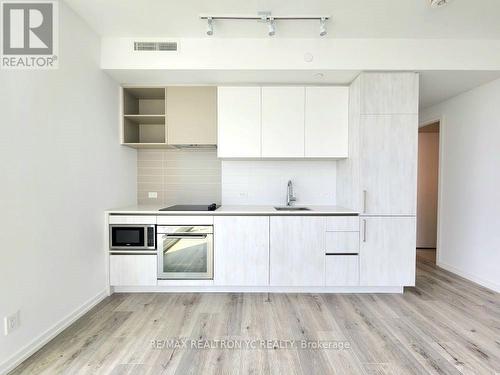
{"points": [[427, 192]]}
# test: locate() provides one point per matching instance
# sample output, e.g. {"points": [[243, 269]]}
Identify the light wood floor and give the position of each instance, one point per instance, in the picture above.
{"points": [[445, 325]]}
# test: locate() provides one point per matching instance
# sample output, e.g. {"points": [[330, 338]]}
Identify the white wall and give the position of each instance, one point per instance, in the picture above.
{"points": [[427, 189], [265, 181], [61, 166], [468, 233], [288, 53]]}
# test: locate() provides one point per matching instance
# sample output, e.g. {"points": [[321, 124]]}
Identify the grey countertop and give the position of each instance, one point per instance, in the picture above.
{"points": [[264, 210]]}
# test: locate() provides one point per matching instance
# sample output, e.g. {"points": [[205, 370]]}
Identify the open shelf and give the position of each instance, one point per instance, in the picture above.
{"points": [[146, 119], [143, 117], [143, 132], [144, 101]]}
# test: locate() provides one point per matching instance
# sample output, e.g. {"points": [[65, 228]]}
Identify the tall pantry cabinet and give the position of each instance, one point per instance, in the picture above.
{"points": [[380, 177]]}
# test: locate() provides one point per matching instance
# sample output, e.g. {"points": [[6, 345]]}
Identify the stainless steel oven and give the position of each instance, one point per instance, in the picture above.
{"points": [[132, 237], [185, 252]]}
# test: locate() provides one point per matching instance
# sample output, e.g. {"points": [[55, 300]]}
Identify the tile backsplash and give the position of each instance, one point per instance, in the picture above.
{"points": [[264, 181], [178, 176]]}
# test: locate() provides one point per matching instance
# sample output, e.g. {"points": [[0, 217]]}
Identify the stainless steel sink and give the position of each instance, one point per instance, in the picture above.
{"points": [[285, 208]]}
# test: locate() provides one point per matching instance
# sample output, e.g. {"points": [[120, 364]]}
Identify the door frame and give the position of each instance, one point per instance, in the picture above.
{"points": [[441, 121]]}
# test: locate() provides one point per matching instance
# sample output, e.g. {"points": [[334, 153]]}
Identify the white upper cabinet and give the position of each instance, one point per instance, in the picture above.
{"points": [[191, 115], [326, 122], [239, 128], [389, 93], [283, 122]]}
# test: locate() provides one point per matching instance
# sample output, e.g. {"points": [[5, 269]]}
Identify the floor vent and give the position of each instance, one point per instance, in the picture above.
{"points": [[155, 46]]}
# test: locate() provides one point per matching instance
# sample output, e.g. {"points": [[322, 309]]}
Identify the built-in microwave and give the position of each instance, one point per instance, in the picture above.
{"points": [[132, 237]]}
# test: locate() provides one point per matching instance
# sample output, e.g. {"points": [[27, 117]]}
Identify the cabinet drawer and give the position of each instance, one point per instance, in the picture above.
{"points": [[342, 242], [132, 219], [185, 220], [132, 270], [342, 270], [342, 223]]}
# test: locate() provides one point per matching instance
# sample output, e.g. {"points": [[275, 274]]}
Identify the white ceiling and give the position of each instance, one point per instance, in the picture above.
{"points": [[461, 19], [437, 86], [467, 19]]}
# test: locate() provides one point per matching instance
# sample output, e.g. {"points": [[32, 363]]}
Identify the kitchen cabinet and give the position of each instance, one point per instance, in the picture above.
{"points": [[380, 175], [241, 250], [388, 164], [191, 115], [387, 251], [239, 127], [342, 270], [132, 270], [297, 255], [389, 93], [342, 242], [283, 122], [326, 122]]}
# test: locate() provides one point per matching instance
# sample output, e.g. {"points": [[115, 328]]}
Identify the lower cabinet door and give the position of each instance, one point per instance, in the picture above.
{"points": [[387, 251], [297, 251], [241, 254], [342, 270], [132, 270]]}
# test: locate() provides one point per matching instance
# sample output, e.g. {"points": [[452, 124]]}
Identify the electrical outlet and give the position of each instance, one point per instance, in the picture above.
{"points": [[12, 322], [153, 194]]}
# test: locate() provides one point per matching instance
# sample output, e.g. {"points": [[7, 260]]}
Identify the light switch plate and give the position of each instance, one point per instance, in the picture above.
{"points": [[12, 322], [153, 195]]}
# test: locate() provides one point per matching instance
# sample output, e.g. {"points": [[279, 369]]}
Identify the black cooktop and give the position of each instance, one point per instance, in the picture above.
{"points": [[191, 207]]}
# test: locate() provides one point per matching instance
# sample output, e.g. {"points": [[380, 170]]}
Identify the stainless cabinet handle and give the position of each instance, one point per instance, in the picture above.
{"points": [[364, 201], [364, 230]]}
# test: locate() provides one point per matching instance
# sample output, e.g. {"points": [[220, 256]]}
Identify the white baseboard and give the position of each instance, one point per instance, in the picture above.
{"points": [[256, 289], [470, 277], [49, 334]]}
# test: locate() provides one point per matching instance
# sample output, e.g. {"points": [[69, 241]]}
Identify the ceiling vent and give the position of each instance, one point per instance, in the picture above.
{"points": [[155, 46]]}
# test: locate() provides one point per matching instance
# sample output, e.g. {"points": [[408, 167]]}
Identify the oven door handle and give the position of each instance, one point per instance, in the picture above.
{"points": [[185, 236]]}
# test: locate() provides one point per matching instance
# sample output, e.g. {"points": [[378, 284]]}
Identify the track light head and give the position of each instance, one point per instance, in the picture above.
{"points": [[210, 26], [322, 26], [271, 26]]}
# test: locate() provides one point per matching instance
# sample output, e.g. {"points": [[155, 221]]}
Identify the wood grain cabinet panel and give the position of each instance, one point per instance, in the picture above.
{"points": [[342, 242], [389, 93], [388, 164], [132, 270], [342, 270], [241, 250], [297, 256], [387, 251]]}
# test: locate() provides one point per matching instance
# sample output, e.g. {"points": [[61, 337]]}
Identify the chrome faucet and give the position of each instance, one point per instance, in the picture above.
{"points": [[289, 194]]}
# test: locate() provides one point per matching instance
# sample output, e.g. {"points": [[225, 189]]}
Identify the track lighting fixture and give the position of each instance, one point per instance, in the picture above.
{"points": [[322, 26], [210, 26], [271, 26], [270, 20]]}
